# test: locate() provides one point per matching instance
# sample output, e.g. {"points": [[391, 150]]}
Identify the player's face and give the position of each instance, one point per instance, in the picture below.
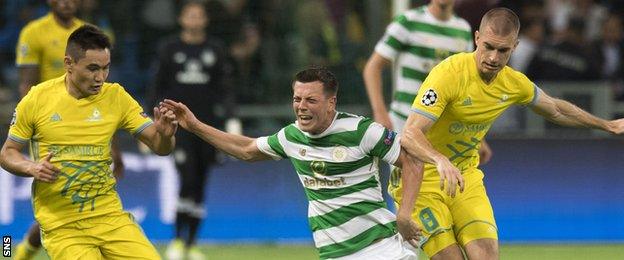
{"points": [[313, 108], [193, 17], [493, 51], [65, 9], [88, 74]]}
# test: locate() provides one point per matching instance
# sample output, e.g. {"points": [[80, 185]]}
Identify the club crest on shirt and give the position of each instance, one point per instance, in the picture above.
{"points": [[429, 98], [339, 154], [318, 167], [302, 152], [95, 116]]}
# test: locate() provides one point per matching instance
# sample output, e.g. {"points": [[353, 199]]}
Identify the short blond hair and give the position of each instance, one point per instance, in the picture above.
{"points": [[501, 21]]}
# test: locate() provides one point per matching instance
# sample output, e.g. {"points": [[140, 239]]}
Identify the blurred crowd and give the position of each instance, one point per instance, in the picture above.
{"points": [[578, 40]]}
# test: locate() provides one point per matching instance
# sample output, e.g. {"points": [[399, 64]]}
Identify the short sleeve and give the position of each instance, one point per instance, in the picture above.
{"points": [[381, 142], [22, 124], [436, 92], [529, 91], [134, 119], [394, 40], [28, 50], [270, 145]]}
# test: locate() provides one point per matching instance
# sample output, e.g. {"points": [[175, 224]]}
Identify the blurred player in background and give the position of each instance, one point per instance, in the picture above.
{"points": [[40, 53], [193, 69], [70, 121], [454, 108], [414, 43], [335, 155]]}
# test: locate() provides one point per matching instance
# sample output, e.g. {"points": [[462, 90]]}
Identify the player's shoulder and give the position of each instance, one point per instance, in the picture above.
{"points": [[414, 14], [513, 76], [113, 88], [46, 90], [460, 22], [39, 22], [456, 63]]}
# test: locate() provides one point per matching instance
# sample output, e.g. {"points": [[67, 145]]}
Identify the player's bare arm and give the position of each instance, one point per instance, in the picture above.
{"points": [[567, 114], [373, 82], [411, 177], [28, 77], [240, 146], [160, 136], [415, 142], [12, 160]]}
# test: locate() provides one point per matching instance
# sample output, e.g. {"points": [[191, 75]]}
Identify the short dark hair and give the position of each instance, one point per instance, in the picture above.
{"points": [[87, 37], [322, 74], [502, 21]]}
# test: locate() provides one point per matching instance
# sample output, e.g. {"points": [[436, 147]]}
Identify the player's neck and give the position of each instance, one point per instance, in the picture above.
{"points": [[63, 22], [71, 89], [193, 37], [442, 13]]}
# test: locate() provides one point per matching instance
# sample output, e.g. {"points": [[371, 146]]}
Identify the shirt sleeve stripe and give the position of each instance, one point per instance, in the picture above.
{"points": [[138, 131], [18, 139], [536, 91], [425, 113]]}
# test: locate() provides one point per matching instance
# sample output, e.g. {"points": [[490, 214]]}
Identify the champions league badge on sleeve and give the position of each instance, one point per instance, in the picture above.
{"points": [[429, 98], [14, 118], [390, 137]]}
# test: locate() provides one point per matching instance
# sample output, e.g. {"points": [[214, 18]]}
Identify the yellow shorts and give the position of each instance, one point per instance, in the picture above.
{"points": [[446, 221], [101, 237]]}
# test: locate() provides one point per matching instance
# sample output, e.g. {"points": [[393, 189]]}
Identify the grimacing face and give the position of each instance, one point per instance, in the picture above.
{"points": [[313, 108], [493, 51], [88, 74]]}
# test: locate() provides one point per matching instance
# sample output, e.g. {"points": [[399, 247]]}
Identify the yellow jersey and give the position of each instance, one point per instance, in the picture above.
{"points": [[42, 43], [464, 107], [79, 133]]}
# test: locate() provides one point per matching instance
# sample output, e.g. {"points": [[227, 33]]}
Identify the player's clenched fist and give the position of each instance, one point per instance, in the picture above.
{"points": [[44, 170]]}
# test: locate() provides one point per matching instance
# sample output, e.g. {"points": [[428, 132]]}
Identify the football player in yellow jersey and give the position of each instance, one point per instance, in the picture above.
{"points": [[40, 52], [41, 46], [452, 112], [70, 122], [39, 57]]}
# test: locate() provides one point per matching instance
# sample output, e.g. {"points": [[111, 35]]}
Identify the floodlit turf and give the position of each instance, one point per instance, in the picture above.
{"points": [[508, 252]]}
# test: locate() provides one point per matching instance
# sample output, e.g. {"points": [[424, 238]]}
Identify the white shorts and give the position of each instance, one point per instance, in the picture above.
{"points": [[392, 248]]}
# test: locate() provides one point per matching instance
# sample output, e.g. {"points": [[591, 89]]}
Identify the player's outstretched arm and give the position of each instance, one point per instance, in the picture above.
{"points": [[12, 160], [411, 177], [567, 114], [240, 146], [372, 80], [414, 141], [160, 136]]}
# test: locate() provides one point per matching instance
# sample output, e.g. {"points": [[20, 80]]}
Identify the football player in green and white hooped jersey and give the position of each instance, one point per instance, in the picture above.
{"points": [[336, 156]]}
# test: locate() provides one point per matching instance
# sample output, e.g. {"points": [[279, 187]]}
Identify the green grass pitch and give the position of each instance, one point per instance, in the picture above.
{"points": [[507, 252]]}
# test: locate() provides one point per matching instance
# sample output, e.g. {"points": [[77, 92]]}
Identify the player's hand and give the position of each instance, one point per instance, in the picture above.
{"points": [[450, 177], [118, 168], [408, 229], [616, 126], [485, 152], [165, 121], [384, 119], [44, 170], [185, 117]]}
